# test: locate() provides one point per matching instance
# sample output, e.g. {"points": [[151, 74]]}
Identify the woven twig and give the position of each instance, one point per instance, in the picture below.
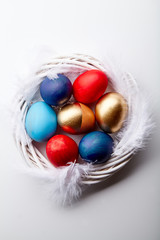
{"points": [[127, 141]]}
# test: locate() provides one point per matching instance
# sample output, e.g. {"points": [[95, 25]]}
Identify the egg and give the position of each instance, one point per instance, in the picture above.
{"points": [[111, 111], [61, 150], [76, 118], [40, 122], [56, 91], [90, 86], [96, 147]]}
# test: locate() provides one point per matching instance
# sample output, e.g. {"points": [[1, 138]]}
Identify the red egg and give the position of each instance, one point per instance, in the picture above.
{"points": [[61, 150], [90, 86]]}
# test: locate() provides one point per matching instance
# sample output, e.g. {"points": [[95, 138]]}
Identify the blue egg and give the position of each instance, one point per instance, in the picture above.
{"points": [[41, 122], [56, 91], [96, 147]]}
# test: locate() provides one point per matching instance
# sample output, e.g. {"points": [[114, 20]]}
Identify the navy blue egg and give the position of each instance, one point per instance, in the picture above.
{"points": [[96, 147], [56, 91]]}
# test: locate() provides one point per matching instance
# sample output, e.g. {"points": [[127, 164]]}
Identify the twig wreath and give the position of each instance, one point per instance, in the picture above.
{"points": [[129, 129]]}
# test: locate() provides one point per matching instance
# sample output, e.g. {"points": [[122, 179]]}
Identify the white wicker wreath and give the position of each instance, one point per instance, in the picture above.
{"points": [[67, 183]]}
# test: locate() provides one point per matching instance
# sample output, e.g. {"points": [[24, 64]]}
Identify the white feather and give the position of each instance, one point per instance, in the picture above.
{"points": [[63, 185]]}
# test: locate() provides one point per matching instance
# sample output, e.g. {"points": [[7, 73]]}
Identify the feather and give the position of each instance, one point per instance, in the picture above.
{"points": [[63, 185]]}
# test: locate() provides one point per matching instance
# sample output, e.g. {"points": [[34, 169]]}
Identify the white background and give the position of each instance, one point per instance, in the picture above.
{"points": [[128, 208]]}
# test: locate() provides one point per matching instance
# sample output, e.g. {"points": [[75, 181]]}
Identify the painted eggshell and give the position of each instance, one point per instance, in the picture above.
{"points": [[41, 122], [96, 147], [76, 118], [61, 150], [111, 111], [56, 91], [90, 86]]}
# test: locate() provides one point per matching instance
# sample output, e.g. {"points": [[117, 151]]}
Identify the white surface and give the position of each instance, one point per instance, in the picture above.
{"points": [[128, 208]]}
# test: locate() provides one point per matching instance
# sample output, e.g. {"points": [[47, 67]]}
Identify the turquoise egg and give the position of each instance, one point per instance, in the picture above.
{"points": [[41, 122], [96, 147]]}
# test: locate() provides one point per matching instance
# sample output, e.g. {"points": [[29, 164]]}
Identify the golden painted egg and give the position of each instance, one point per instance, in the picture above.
{"points": [[111, 111], [76, 118]]}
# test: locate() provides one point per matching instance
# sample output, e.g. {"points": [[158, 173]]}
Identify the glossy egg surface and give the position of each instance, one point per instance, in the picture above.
{"points": [[56, 91], [89, 86], [96, 147], [76, 118], [111, 111], [61, 150]]}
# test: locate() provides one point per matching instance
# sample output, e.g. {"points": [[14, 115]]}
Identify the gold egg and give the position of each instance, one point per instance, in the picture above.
{"points": [[76, 118], [111, 111]]}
